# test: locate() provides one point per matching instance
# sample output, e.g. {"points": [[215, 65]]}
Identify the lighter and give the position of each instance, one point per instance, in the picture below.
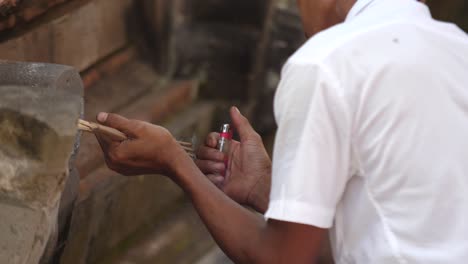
{"points": [[224, 143]]}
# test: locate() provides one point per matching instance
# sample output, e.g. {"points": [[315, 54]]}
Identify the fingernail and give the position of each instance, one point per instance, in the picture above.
{"points": [[102, 117], [236, 109]]}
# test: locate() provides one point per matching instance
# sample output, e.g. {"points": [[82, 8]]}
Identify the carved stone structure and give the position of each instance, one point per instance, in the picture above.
{"points": [[39, 109], [131, 55]]}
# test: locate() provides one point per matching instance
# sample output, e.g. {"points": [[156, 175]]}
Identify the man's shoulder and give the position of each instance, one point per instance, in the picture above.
{"points": [[321, 46], [342, 40]]}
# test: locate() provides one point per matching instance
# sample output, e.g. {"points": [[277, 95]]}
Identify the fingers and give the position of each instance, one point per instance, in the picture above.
{"points": [[116, 121], [216, 180], [210, 167], [105, 142], [242, 125], [208, 153], [212, 139]]}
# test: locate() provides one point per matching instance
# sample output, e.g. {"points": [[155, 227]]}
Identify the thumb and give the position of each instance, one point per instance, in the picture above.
{"points": [[115, 121], [241, 124]]}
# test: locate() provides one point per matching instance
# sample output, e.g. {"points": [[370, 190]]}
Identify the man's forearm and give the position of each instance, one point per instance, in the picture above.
{"points": [[237, 230]]}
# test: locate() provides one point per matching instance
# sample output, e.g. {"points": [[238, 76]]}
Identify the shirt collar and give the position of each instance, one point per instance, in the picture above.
{"points": [[357, 8]]}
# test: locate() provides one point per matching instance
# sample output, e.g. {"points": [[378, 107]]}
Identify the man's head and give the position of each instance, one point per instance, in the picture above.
{"points": [[318, 15]]}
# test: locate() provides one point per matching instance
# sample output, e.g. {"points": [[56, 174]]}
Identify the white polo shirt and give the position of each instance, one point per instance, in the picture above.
{"points": [[373, 136]]}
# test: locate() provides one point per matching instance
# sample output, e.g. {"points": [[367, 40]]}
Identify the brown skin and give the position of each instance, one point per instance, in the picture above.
{"points": [[248, 175], [243, 235]]}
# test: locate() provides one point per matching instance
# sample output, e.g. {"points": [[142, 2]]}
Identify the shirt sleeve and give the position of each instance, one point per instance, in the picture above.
{"points": [[312, 147]]}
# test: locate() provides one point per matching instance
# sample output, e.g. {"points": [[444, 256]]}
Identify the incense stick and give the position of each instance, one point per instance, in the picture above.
{"points": [[115, 134]]}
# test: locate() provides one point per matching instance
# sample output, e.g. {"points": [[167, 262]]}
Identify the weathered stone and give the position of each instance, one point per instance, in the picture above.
{"points": [[38, 118], [78, 38], [17, 12]]}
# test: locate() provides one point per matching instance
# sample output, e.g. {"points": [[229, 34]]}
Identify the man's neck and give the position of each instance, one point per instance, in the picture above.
{"points": [[344, 6]]}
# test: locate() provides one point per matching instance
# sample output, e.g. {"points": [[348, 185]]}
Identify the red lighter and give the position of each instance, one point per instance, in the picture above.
{"points": [[224, 143]]}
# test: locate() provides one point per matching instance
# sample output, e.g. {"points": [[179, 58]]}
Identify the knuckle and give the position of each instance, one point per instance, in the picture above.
{"points": [[116, 156], [121, 156]]}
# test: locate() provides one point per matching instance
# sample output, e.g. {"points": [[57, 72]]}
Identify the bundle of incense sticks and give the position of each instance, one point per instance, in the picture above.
{"points": [[113, 133]]}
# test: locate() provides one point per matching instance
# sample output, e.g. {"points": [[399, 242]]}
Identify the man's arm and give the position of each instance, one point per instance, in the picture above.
{"points": [[244, 235]]}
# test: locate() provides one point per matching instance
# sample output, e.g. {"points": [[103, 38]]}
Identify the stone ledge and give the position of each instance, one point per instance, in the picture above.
{"points": [[107, 66]]}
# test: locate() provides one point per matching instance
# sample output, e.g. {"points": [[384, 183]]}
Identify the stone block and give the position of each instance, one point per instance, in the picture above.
{"points": [[80, 37], [15, 12], [39, 109]]}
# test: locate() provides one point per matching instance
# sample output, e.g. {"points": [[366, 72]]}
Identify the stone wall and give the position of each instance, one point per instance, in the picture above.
{"points": [[101, 215], [132, 61], [179, 63], [39, 108]]}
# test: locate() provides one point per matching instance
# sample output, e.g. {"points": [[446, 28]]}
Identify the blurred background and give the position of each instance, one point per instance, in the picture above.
{"points": [[176, 63]]}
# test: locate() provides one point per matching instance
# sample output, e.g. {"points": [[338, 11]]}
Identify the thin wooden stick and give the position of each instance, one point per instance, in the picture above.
{"points": [[108, 131], [187, 148], [91, 127], [185, 144]]}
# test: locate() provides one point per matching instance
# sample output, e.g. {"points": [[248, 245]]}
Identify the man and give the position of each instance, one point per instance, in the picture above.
{"points": [[372, 142]]}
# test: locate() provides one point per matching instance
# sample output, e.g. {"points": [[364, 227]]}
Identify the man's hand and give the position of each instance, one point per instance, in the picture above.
{"points": [[245, 236], [149, 149], [248, 176]]}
